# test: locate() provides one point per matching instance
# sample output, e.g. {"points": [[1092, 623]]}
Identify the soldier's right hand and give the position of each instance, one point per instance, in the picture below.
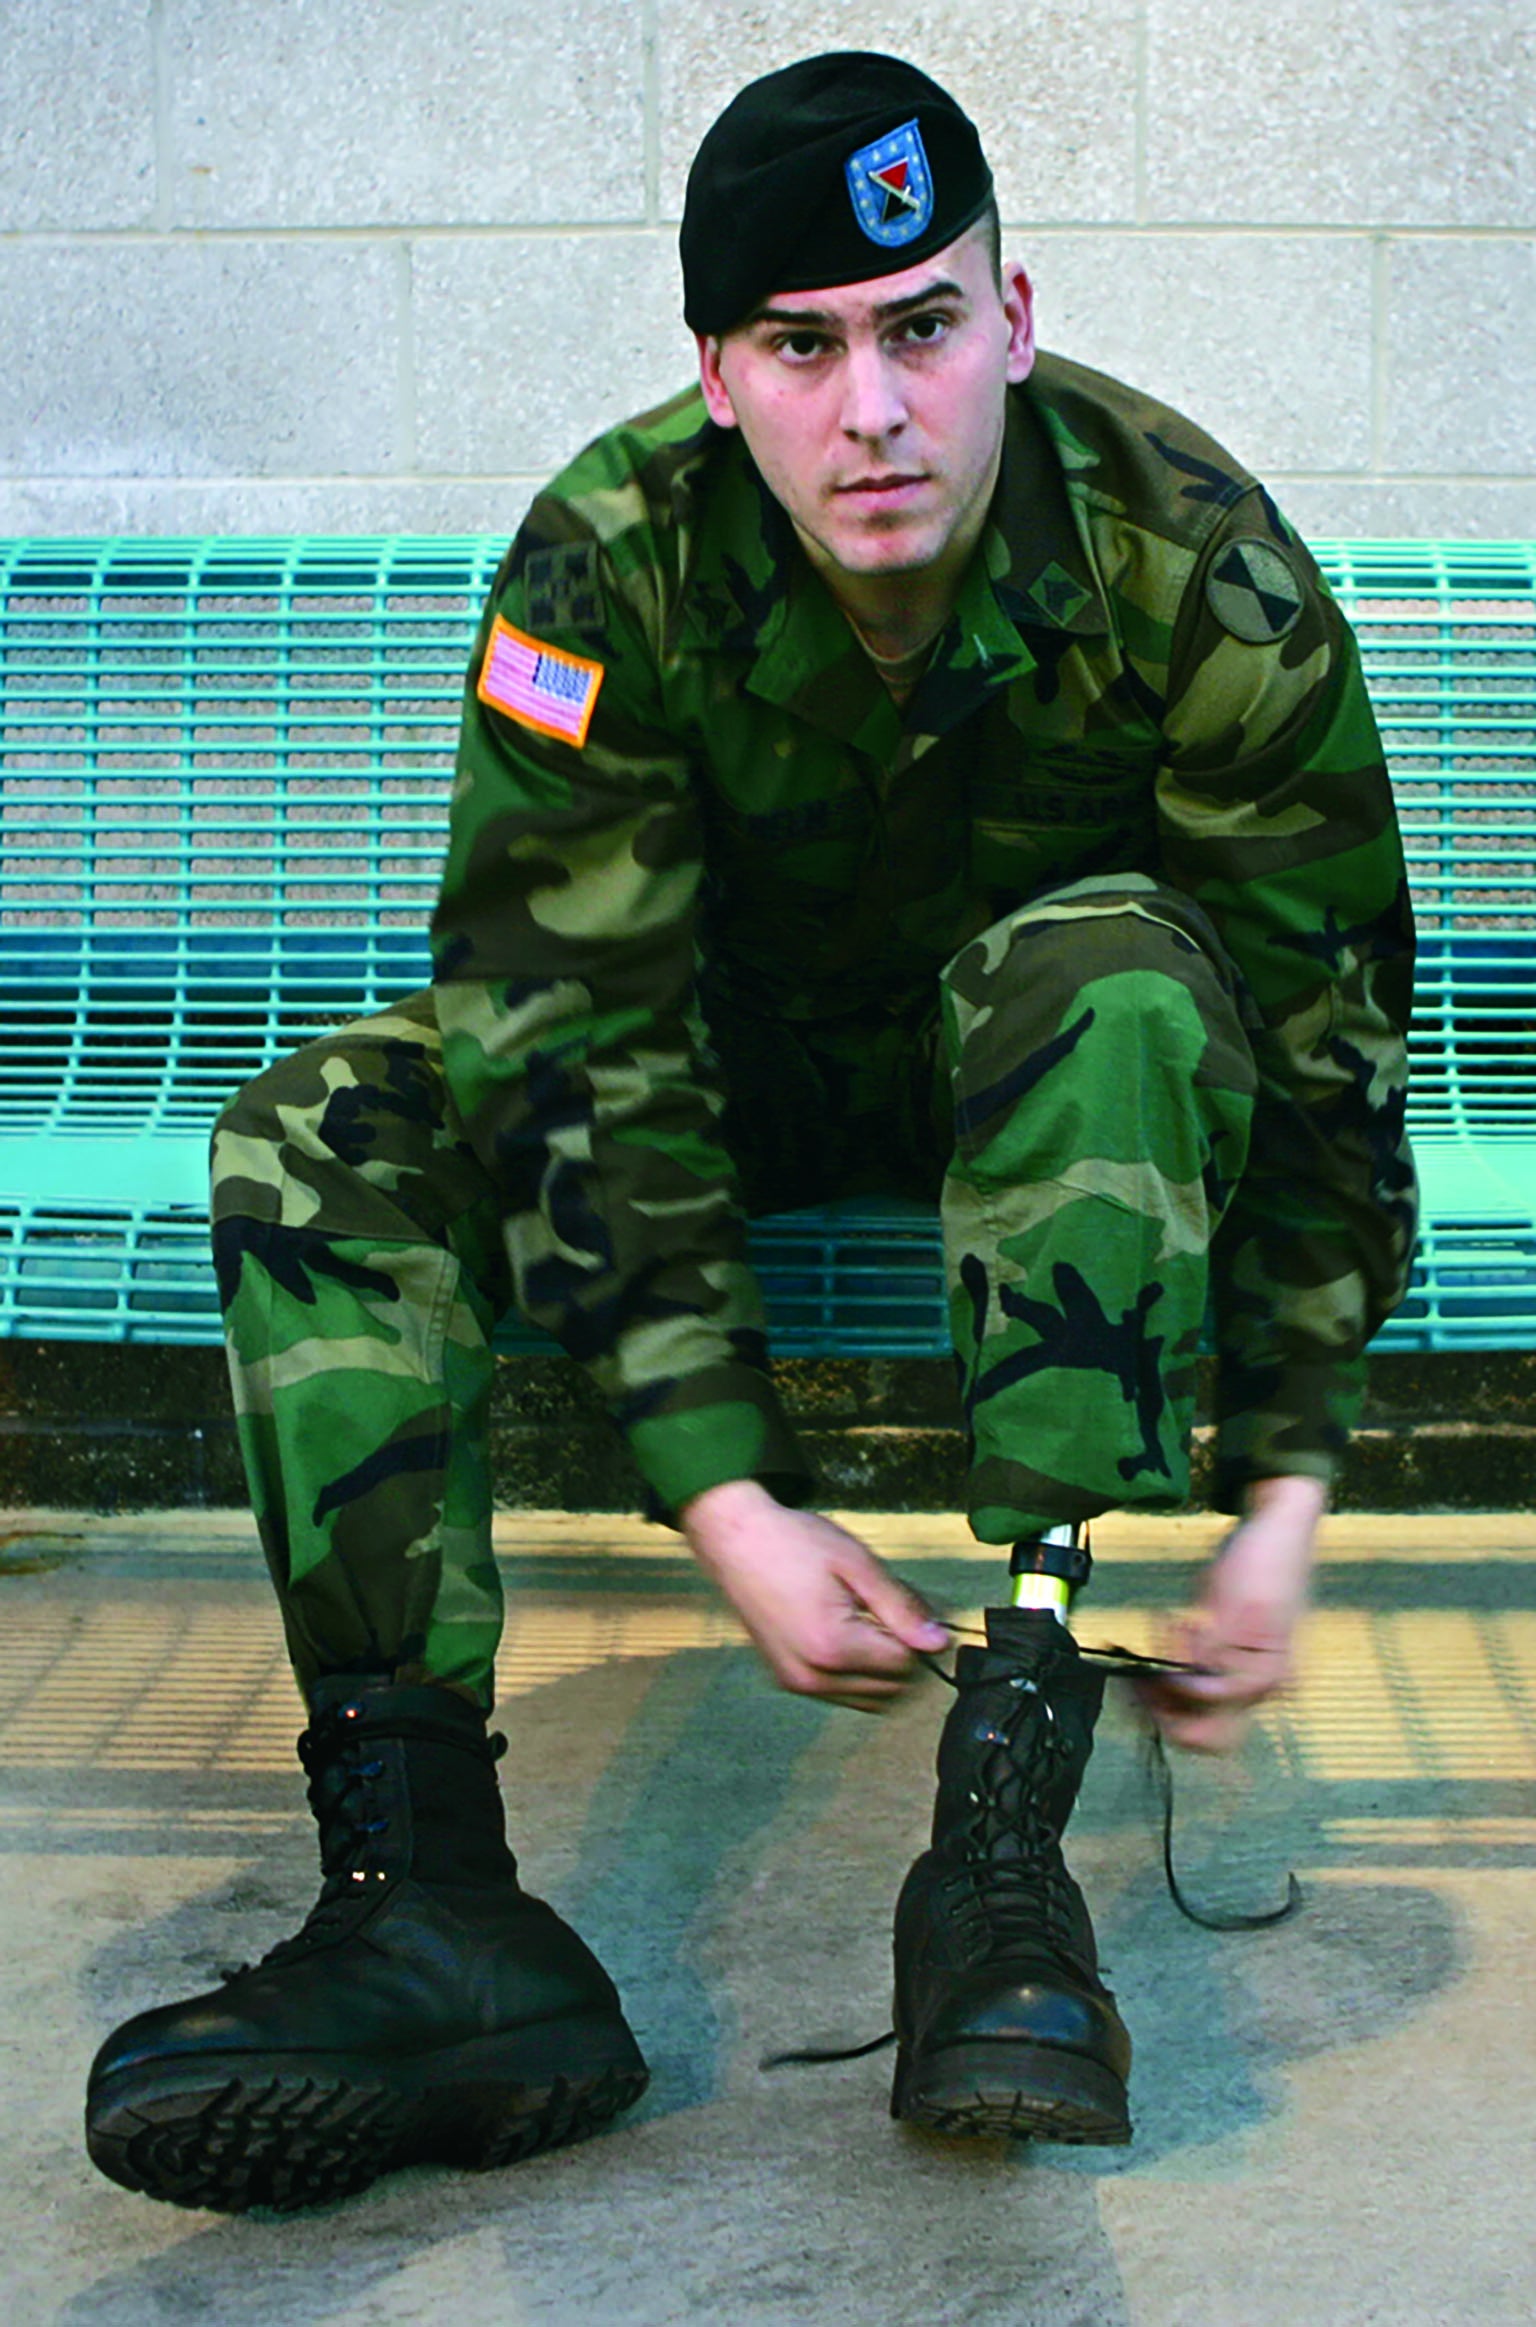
{"points": [[827, 1618]]}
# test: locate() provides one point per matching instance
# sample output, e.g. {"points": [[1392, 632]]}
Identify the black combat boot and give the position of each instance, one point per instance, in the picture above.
{"points": [[1003, 2024], [428, 2009]]}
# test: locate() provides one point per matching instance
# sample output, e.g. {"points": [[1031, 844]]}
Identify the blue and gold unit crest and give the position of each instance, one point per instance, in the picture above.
{"points": [[892, 187]]}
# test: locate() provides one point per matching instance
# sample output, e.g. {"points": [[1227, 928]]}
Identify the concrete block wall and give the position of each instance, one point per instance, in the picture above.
{"points": [[268, 265]]}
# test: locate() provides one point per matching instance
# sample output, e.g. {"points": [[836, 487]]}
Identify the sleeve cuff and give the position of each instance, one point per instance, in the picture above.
{"points": [[724, 1423], [1300, 1425]]}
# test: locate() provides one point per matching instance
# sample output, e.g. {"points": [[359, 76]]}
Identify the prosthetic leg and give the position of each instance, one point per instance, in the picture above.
{"points": [[1102, 1085], [1003, 2024]]}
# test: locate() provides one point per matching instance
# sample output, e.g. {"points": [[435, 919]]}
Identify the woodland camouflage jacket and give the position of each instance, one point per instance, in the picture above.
{"points": [[1144, 671]]}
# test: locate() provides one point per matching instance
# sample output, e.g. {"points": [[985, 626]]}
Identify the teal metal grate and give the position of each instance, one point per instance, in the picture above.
{"points": [[224, 768]]}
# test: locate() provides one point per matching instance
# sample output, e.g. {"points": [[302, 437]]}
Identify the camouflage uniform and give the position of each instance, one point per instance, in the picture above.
{"points": [[1104, 941]]}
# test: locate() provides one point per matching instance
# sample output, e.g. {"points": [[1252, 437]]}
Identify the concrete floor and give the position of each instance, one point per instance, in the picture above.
{"points": [[1335, 2119]]}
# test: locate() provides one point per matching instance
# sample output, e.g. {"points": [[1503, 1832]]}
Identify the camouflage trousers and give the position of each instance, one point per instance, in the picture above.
{"points": [[1076, 1094]]}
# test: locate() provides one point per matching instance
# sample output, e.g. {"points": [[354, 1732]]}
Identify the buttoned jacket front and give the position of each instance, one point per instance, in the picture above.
{"points": [[1143, 671]]}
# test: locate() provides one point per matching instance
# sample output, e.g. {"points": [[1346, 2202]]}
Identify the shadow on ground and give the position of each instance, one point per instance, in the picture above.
{"points": [[733, 1854]]}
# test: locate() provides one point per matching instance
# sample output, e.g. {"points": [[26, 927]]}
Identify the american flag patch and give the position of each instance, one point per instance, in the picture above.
{"points": [[539, 686]]}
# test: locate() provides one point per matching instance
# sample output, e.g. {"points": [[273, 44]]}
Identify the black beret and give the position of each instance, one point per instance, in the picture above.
{"points": [[835, 170]]}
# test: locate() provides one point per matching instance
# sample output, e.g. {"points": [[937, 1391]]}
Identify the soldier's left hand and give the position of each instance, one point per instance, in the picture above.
{"points": [[1243, 1626]]}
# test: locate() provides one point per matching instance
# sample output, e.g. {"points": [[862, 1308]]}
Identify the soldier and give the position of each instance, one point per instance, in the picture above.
{"points": [[905, 762]]}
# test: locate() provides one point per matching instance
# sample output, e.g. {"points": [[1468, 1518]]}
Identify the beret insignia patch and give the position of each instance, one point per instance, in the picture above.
{"points": [[1254, 592], [891, 187]]}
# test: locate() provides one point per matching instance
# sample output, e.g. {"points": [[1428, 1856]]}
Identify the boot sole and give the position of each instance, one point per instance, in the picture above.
{"points": [[233, 2131], [1025, 2092]]}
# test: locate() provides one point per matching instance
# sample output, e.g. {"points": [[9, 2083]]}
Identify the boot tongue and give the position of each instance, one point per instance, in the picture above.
{"points": [[1018, 1641], [1031, 1638]]}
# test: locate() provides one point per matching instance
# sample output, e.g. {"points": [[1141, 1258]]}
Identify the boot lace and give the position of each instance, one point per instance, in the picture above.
{"points": [[1129, 1663], [1015, 1896], [1015, 1906], [340, 1793]]}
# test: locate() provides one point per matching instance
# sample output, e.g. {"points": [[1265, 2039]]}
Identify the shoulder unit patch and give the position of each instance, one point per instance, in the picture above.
{"points": [[537, 685], [1255, 592], [563, 589]]}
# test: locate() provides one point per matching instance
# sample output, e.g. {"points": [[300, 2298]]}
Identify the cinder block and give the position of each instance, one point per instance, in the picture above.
{"points": [[77, 115], [525, 349], [1341, 112], [183, 358], [406, 111], [1461, 388], [1052, 88], [248, 505], [1263, 339], [1413, 509]]}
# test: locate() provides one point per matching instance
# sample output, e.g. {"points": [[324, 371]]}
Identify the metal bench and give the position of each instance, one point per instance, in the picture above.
{"points": [[224, 769]]}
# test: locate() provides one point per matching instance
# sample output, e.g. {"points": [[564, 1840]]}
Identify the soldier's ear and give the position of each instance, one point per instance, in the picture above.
{"points": [[717, 397], [1019, 306]]}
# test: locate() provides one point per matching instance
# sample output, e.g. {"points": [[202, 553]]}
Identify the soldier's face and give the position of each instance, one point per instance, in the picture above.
{"points": [[875, 411]]}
